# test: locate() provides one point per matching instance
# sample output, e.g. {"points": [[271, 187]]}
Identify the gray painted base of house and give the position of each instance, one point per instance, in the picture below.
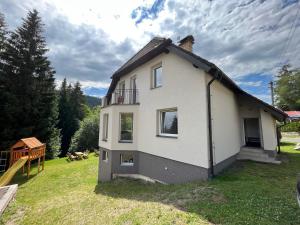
{"points": [[155, 167], [219, 167]]}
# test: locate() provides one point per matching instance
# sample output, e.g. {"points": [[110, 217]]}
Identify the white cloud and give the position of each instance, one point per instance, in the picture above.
{"points": [[250, 83], [242, 37]]}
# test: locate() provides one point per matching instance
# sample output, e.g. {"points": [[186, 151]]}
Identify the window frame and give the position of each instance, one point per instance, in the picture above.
{"points": [[160, 120], [105, 127], [126, 163], [153, 76], [120, 127]]}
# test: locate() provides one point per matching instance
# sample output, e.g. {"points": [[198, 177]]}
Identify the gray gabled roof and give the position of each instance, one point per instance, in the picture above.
{"points": [[159, 45]]}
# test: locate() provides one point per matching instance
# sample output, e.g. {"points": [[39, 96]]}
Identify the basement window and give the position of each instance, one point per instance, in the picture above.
{"points": [[126, 159], [104, 155]]}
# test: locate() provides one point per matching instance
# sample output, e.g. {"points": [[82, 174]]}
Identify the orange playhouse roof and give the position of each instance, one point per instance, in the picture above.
{"points": [[31, 142]]}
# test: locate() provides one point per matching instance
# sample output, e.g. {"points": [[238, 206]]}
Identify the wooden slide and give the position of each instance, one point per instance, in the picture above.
{"points": [[9, 174]]}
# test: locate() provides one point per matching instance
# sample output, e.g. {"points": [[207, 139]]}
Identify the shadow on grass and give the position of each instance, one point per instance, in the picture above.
{"points": [[246, 188], [181, 196], [20, 178]]}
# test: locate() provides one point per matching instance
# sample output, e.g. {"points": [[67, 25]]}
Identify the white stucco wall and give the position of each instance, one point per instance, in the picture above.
{"points": [[183, 87], [268, 125], [225, 122], [114, 127]]}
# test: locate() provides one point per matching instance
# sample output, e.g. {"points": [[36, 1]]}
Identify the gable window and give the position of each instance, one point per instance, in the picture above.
{"points": [[157, 76], [104, 155], [168, 122], [126, 127], [126, 159], [105, 127]]}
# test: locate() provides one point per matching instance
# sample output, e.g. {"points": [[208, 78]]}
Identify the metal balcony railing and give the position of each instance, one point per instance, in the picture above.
{"points": [[122, 97]]}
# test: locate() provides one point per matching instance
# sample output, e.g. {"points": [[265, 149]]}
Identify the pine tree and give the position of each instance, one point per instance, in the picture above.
{"points": [[77, 101], [64, 116], [3, 32], [32, 103], [71, 112], [3, 91]]}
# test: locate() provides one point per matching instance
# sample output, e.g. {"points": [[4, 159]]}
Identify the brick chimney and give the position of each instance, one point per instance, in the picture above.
{"points": [[187, 43]]}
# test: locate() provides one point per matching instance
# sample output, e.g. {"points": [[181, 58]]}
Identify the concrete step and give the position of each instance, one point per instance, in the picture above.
{"points": [[254, 154], [249, 149], [257, 155], [259, 159]]}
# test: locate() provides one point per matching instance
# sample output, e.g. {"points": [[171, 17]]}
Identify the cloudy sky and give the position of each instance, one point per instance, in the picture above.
{"points": [[88, 40]]}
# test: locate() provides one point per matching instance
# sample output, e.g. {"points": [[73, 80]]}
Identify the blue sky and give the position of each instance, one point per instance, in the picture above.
{"points": [[88, 40]]}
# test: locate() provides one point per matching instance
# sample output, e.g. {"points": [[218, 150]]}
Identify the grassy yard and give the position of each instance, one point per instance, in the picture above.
{"points": [[247, 193]]}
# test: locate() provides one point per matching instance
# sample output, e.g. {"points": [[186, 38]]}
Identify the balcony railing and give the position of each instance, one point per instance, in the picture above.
{"points": [[122, 97]]}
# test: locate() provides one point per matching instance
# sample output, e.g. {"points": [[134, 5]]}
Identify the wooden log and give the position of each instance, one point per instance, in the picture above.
{"points": [[39, 163], [28, 168]]}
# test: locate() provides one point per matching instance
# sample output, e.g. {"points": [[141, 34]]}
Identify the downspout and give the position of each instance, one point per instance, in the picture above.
{"points": [[211, 154]]}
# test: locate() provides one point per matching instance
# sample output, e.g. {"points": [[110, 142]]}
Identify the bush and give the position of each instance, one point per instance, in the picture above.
{"points": [[86, 138], [291, 127]]}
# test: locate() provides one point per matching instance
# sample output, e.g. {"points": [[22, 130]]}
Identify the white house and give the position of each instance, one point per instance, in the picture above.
{"points": [[172, 116]]}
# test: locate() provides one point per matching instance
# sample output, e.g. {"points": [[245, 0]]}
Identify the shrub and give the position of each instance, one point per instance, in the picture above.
{"points": [[291, 127], [86, 138]]}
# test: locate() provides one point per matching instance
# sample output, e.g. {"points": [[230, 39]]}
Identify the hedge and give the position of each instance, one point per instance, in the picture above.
{"points": [[291, 127]]}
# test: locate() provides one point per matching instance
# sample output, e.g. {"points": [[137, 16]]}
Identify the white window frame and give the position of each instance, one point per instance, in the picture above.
{"points": [[105, 127], [105, 153], [120, 128], [153, 76], [126, 163], [160, 120]]}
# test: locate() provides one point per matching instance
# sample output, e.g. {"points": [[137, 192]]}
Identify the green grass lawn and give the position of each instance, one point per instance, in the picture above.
{"points": [[247, 193]]}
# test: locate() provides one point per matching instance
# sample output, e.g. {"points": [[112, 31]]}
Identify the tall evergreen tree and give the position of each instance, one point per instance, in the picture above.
{"points": [[64, 116], [71, 112], [77, 101], [32, 103], [3, 91], [3, 32]]}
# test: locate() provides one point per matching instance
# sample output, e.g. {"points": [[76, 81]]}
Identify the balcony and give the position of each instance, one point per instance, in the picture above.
{"points": [[121, 97]]}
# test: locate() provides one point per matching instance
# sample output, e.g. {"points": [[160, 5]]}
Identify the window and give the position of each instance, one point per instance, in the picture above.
{"points": [[168, 122], [104, 155], [126, 159], [126, 127], [105, 127], [122, 88], [133, 92], [157, 76]]}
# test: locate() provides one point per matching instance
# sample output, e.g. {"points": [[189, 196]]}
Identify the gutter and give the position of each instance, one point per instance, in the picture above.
{"points": [[217, 76]]}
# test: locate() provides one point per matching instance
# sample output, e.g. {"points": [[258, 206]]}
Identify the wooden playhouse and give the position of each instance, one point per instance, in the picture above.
{"points": [[30, 148]]}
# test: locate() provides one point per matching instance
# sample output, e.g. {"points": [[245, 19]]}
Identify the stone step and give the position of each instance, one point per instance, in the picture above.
{"points": [[254, 154]]}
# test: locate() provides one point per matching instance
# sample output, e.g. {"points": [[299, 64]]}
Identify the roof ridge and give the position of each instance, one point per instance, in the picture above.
{"points": [[139, 51]]}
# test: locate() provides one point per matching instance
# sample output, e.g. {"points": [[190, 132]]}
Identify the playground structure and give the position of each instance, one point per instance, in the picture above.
{"points": [[24, 151]]}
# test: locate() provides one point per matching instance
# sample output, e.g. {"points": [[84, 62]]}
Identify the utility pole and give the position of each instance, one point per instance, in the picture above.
{"points": [[272, 92]]}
